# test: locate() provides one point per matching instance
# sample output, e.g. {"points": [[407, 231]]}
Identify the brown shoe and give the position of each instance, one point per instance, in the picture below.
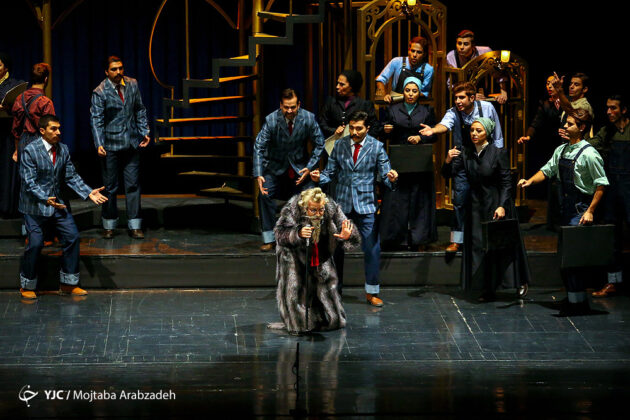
{"points": [[28, 294], [267, 247], [67, 289], [453, 247], [108, 234], [373, 300], [605, 291], [136, 234]]}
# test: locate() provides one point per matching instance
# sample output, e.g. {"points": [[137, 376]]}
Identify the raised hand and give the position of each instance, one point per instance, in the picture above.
{"points": [[452, 154], [425, 130], [346, 230], [97, 197], [304, 172]]}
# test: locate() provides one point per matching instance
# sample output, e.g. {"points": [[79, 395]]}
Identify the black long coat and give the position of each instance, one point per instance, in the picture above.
{"points": [[411, 208], [490, 187], [334, 113]]}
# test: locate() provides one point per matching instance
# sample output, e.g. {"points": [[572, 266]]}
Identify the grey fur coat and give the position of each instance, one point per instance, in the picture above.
{"points": [[325, 308]]}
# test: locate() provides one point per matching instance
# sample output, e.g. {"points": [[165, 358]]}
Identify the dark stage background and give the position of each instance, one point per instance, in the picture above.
{"points": [[563, 36]]}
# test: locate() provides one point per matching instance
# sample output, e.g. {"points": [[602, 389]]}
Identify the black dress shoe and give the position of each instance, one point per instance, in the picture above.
{"points": [[521, 291], [136, 234], [108, 233]]}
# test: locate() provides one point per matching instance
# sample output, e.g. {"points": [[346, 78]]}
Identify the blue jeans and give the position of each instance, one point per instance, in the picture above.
{"points": [[278, 187], [129, 160], [461, 194], [69, 236], [371, 247]]}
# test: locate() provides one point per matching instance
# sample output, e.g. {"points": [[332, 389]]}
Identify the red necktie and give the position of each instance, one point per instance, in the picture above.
{"points": [[54, 153], [315, 255], [290, 127], [357, 146], [119, 89]]}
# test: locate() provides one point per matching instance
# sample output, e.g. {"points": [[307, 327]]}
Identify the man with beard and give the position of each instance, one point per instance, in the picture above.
{"points": [[400, 68], [354, 163], [613, 143], [306, 235], [281, 159], [119, 127], [44, 165], [458, 119]]}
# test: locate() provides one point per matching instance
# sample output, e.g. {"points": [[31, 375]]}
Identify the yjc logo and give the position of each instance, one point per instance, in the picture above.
{"points": [[26, 394]]}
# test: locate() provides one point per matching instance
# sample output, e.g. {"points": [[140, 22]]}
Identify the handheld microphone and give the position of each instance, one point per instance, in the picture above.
{"points": [[308, 240]]}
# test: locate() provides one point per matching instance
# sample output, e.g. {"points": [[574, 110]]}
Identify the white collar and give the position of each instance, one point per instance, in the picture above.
{"points": [[47, 145], [481, 148], [362, 142]]}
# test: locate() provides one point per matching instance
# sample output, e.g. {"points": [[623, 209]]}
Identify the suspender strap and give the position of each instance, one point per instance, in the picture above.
{"points": [[27, 106]]}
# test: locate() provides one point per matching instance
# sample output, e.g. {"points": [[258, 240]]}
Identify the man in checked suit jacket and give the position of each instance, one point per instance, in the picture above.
{"points": [[354, 163], [119, 127], [281, 160], [44, 164]]}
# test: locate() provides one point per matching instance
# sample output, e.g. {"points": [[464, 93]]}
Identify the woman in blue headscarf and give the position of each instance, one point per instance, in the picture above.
{"points": [[488, 171], [408, 214]]}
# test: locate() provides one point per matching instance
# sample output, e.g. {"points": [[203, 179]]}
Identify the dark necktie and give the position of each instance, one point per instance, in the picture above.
{"points": [[119, 89], [54, 154], [290, 127], [357, 146]]}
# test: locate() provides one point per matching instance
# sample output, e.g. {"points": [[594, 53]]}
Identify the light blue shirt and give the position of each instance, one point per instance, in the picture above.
{"points": [[394, 67], [451, 121]]}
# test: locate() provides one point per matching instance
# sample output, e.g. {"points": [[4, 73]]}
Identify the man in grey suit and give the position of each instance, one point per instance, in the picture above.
{"points": [[44, 164], [281, 160], [119, 127]]}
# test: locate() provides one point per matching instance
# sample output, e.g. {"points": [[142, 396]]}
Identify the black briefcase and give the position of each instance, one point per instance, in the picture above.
{"points": [[586, 246], [500, 234], [408, 158]]}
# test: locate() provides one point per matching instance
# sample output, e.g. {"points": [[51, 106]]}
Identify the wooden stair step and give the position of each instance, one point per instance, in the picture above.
{"points": [[214, 174], [201, 138], [177, 156], [218, 99], [229, 118], [280, 17], [227, 192]]}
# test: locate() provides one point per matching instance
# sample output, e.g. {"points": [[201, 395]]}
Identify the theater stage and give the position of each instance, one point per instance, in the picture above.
{"points": [[428, 352], [201, 242]]}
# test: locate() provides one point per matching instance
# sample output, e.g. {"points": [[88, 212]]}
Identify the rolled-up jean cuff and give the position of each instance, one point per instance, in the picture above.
{"points": [[616, 277], [69, 279], [457, 237], [268, 237], [576, 297], [28, 284], [372, 289], [134, 224], [110, 223]]}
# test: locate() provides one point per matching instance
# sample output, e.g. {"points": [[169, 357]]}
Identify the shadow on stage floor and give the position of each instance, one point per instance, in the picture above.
{"points": [[428, 351]]}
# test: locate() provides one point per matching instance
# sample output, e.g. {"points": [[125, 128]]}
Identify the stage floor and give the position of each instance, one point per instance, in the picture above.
{"points": [[428, 351]]}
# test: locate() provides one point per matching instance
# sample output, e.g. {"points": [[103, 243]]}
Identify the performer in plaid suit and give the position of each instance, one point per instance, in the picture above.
{"points": [[354, 163], [281, 160], [44, 165], [120, 128]]}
